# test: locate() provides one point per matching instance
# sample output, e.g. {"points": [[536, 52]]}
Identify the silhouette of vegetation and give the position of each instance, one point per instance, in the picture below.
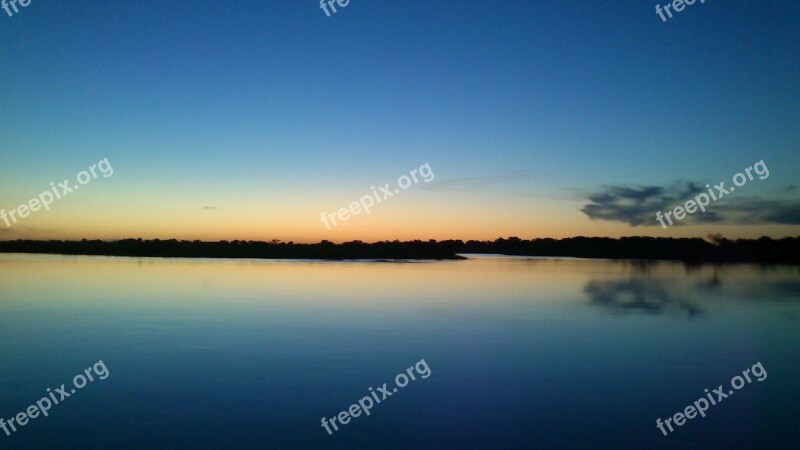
{"points": [[235, 249], [716, 249], [690, 250]]}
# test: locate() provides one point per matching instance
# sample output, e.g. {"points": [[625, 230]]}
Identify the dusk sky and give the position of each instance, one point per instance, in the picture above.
{"points": [[246, 120]]}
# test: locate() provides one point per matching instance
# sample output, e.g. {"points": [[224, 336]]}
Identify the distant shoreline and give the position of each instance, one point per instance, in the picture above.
{"points": [[694, 250]]}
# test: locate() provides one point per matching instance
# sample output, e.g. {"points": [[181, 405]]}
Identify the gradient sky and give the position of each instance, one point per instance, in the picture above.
{"points": [[247, 119]]}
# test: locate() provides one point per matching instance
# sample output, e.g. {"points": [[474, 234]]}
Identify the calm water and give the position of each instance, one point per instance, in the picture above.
{"points": [[523, 353]]}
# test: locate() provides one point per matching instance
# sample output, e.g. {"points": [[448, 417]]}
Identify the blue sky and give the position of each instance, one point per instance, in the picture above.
{"points": [[273, 110]]}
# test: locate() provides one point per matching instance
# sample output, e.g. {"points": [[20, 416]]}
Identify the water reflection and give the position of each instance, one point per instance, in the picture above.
{"points": [[637, 295], [692, 289]]}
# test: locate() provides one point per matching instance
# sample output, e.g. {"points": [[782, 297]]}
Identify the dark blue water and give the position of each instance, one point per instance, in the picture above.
{"points": [[523, 353]]}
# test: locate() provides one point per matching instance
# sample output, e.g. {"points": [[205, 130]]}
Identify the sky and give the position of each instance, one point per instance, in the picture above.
{"points": [[250, 120]]}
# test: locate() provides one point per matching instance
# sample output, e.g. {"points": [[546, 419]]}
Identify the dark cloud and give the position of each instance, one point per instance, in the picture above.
{"points": [[752, 210], [638, 206], [473, 183], [789, 214]]}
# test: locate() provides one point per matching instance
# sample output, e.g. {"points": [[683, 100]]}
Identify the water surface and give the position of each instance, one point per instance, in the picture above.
{"points": [[523, 352]]}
